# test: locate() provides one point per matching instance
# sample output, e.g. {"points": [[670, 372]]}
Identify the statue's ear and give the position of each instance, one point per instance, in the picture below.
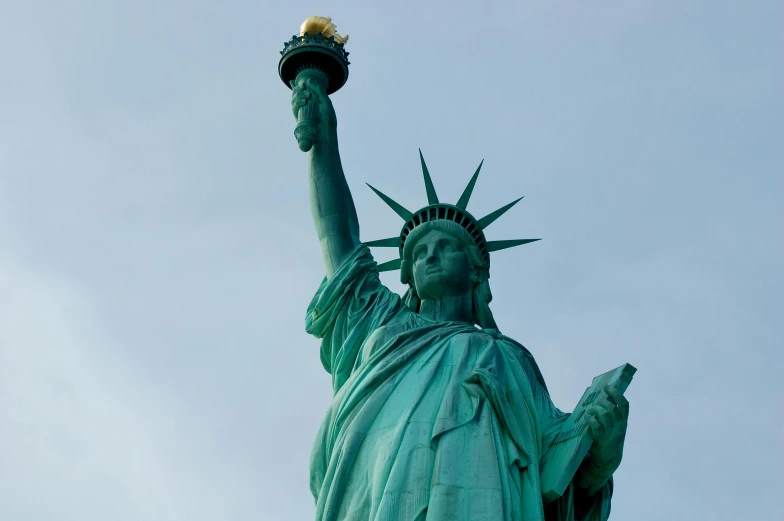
{"points": [[405, 273], [478, 274], [411, 300]]}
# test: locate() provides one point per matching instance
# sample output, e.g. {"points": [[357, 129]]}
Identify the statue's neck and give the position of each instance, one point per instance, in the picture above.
{"points": [[448, 309]]}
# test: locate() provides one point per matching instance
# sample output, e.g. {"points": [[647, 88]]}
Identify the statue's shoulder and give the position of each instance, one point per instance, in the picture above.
{"points": [[402, 322], [526, 358]]}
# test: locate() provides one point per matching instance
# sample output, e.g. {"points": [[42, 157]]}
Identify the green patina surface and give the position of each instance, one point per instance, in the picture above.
{"points": [[436, 415]]}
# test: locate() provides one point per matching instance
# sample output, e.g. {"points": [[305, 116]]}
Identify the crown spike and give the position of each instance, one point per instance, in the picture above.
{"points": [[392, 242], [487, 220], [432, 198], [402, 212], [463, 201], [394, 264], [502, 245]]}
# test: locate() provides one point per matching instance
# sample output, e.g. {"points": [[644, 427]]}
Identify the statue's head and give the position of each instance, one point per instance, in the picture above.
{"points": [[441, 259], [443, 250]]}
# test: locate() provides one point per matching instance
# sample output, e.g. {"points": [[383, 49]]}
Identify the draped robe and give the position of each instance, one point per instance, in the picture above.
{"points": [[430, 421]]}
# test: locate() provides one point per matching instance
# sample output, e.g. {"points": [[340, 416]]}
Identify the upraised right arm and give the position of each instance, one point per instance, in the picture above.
{"points": [[331, 204]]}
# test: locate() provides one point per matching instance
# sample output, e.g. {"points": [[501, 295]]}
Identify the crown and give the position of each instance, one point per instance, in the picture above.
{"points": [[437, 211]]}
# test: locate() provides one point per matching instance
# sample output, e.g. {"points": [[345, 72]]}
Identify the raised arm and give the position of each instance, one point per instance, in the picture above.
{"points": [[331, 204]]}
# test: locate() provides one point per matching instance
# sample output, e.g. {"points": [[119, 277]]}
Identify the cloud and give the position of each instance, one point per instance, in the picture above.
{"points": [[79, 436]]}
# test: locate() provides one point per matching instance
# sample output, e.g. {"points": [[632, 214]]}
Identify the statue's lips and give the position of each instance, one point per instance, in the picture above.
{"points": [[434, 269]]}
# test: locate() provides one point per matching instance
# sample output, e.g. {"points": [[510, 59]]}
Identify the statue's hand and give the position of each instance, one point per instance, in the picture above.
{"points": [[608, 418], [307, 90]]}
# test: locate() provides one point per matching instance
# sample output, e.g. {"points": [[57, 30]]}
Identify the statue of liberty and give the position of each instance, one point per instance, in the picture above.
{"points": [[436, 415]]}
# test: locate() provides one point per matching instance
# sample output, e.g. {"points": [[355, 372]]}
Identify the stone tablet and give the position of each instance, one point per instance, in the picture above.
{"points": [[560, 463]]}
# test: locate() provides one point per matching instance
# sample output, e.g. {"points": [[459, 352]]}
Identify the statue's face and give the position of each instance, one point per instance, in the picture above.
{"points": [[441, 266]]}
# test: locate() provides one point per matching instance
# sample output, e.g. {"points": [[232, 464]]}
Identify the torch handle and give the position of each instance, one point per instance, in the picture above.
{"points": [[306, 130], [307, 127]]}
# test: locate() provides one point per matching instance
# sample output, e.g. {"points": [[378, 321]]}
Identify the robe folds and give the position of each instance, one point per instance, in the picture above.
{"points": [[429, 421]]}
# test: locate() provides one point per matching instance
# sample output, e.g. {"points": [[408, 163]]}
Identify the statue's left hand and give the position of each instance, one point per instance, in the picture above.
{"points": [[608, 418]]}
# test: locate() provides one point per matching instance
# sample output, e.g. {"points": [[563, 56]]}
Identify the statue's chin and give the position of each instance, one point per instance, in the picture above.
{"points": [[433, 286], [437, 290], [438, 284]]}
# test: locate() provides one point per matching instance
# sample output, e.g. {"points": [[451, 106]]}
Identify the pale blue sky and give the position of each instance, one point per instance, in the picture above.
{"points": [[157, 254]]}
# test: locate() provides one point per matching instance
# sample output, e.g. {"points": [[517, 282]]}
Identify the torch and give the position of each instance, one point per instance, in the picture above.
{"points": [[317, 53]]}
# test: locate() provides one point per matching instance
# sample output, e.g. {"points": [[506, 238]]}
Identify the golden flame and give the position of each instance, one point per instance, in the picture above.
{"points": [[323, 25]]}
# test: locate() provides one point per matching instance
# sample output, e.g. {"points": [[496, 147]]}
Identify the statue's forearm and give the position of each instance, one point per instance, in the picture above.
{"points": [[332, 207], [593, 474]]}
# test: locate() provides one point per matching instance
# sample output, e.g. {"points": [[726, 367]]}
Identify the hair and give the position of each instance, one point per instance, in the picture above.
{"points": [[480, 274]]}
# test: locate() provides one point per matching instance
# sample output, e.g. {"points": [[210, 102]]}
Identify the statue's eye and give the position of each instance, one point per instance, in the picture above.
{"points": [[446, 246]]}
